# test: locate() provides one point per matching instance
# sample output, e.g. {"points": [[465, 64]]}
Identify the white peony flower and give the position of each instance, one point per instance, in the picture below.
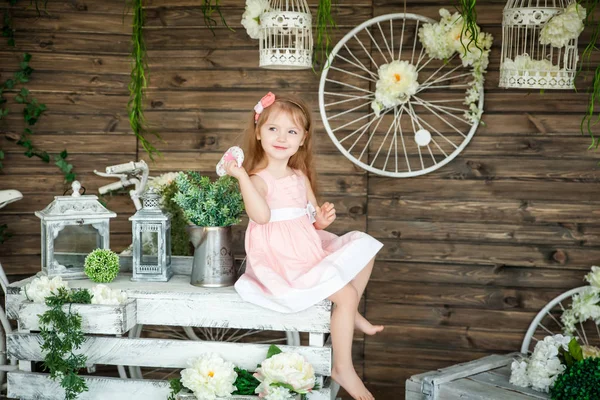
{"points": [[278, 393], [594, 277], [102, 294], [562, 28], [251, 16], [42, 287], [288, 368], [397, 82], [209, 377]]}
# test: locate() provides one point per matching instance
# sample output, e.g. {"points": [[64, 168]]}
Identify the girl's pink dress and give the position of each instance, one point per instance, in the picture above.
{"points": [[290, 265]]}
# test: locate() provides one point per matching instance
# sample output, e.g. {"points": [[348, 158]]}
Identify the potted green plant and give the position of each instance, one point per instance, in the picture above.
{"points": [[211, 209]]}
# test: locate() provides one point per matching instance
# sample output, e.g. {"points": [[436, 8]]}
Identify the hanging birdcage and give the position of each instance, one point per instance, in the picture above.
{"points": [[286, 40], [527, 61]]}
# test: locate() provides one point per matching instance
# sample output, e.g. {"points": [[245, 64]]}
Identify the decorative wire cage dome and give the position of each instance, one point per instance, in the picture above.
{"points": [[525, 62], [286, 35]]}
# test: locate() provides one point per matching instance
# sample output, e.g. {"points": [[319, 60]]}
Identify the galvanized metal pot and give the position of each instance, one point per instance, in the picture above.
{"points": [[213, 257]]}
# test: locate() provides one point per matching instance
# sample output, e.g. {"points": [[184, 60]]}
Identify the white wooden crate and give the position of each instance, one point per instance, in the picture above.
{"points": [[174, 303], [483, 379]]}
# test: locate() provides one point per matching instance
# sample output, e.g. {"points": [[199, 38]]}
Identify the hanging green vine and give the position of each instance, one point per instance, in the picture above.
{"points": [[208, 9], [61, 335], [325, 26], [470, 30], [32, 110], [588, 120], [138, 84]]}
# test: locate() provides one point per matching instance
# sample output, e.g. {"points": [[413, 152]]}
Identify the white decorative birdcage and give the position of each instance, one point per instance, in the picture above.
{"points": [[526, 62], [286, 40]]}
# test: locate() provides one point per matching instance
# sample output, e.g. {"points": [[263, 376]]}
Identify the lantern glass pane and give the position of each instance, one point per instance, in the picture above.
{"points": [[73, 243], [149, 248]]}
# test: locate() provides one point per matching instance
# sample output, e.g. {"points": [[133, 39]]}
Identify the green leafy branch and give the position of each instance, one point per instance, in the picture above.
{"points": [[61, 335], [325, 26]]}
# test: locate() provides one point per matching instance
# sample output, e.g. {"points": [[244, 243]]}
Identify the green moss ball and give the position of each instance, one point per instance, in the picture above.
{"points": [[102, 265], [580, 381]]}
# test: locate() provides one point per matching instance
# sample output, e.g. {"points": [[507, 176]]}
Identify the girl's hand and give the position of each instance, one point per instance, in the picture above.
{"points": [[233, 170], [325, 216]]}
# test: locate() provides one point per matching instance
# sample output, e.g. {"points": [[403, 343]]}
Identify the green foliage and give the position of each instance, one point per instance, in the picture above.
{"points": [[176, 387], [467, 10], [580, 381], [324, 30], [206, 203], [7, 29], [61, 334], [138, 83], [273, 350], [101, 265], [180, 240], [572, 355], [245, 382]]}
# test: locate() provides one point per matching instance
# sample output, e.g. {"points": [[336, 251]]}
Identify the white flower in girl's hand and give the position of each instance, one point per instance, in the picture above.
{"points": [[325, 215]]}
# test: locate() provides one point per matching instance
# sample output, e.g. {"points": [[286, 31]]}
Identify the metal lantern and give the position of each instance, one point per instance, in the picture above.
{"points": [[286, 40], [72, 227], [151, 231], [525, 62]]}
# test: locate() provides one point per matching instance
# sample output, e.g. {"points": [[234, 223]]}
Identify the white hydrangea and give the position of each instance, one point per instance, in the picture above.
{"points": [[543, 367], [102, 294], [158, 182], [209, 377], [288, 368], [251, 16], [593, 277], [584, 306], [562, 28], [433, 37], [278, 393], [42, 287], [397, 82]]}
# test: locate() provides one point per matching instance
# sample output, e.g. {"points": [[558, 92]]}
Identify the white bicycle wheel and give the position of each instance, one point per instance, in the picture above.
{"points": [[419, 136]]}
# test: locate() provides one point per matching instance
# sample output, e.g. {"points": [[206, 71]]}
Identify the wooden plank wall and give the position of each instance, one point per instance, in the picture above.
{"points": [[472, 251]]}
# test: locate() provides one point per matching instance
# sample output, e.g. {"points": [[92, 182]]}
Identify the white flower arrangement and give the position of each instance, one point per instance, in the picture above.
{"points": [[279, 393], [209, 377], [543, 367], [289, 370], [251, 16], [102, 294], [397, 82], [593, 277], [564, 27], [159, 182], [523, 62], [42, 287], [445, 38]]}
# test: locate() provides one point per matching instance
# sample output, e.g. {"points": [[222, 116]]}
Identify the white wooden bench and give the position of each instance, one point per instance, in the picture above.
{"points": [[174, 303]]}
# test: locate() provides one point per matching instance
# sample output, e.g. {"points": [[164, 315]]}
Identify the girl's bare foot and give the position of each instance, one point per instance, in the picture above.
{"points": [[350, 381], [365, 326]]}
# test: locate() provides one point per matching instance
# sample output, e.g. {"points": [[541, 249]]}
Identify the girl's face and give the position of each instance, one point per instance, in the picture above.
{"points": [[281, 136]]}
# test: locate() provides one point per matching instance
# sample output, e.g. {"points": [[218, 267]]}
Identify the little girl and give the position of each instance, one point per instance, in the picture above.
{"points": [[291, 262]]}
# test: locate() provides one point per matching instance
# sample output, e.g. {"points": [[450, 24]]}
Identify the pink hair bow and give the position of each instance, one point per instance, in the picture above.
{"points": [[265, 102]]}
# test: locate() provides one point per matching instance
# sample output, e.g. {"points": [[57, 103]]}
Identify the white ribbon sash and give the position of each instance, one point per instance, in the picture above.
{"points": [[285, 214]]}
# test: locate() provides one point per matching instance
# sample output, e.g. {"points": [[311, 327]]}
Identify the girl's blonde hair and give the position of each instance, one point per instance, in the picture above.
{"points": [[254, 155]]}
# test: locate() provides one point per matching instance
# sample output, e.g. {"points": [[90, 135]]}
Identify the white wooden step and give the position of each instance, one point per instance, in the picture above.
{"points": [[38, 386], [165, 353], [95, 318], [178, 303]]}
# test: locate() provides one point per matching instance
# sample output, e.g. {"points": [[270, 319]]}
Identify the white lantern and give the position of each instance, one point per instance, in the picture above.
{"points": [[72, 227], [286, 40], [526, 62], [151, 231]]}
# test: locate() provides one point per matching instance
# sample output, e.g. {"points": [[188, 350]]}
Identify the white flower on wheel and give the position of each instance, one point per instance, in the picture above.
{"points": [[209, 377], [251, 16], [562, 28], [594, 277], [287, 368], [397, 82]]}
